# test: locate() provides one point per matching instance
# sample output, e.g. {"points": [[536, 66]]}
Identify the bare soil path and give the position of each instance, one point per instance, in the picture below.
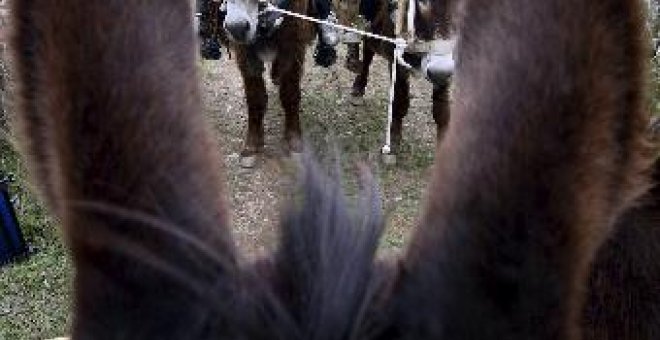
{"points": [[330, 116]]}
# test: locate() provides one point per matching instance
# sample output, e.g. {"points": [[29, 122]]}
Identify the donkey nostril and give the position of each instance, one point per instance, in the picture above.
{"points": [[239, 29]]}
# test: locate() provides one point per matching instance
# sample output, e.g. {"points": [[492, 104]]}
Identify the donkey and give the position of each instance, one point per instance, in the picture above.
{"points": [[286, 47], [266, 37], [431, 22], [540, 164]]}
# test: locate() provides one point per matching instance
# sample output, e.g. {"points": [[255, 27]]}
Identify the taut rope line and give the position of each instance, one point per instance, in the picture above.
{"points": [[398, 42], [271, 7]]}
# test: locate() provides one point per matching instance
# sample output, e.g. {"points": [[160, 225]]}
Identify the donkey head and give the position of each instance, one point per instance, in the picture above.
{"points": [[544, 149], [242, 20]]}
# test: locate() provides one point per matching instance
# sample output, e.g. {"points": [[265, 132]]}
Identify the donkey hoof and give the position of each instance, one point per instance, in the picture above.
{"points": [[389, 159], [292, 145], [248, 161]]}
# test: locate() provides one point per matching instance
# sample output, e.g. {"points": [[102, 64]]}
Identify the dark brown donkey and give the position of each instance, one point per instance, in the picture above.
{"points": [[544, 153], [431, 22], [285, 47]]}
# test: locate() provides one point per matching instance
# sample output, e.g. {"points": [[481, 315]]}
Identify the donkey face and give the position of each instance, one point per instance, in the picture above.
{"points": [[242, 19]]}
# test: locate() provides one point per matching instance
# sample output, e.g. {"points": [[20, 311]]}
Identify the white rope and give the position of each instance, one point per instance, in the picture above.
{"points": [[399, 48], [271, 7], [387, 148]]}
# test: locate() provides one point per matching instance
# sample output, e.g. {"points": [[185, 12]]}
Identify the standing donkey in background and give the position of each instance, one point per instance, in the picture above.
{"points": [[256, 42], [431, 21], [538, 168], [259, 38]]}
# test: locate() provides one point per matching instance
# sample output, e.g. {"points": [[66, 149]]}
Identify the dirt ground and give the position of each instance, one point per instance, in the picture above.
{"points": [[330, 116]]}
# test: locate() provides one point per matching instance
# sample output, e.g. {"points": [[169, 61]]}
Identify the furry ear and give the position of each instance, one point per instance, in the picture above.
{"points": [[111, 123], [544, 150], [36, 128], [324, 263]]}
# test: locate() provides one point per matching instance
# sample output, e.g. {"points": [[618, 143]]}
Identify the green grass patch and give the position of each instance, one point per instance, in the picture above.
{"points": [[35, 291]]}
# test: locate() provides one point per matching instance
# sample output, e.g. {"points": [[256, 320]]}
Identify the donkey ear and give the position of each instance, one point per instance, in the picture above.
{"points": [[111, 120], [544, 149], [35, 127]]}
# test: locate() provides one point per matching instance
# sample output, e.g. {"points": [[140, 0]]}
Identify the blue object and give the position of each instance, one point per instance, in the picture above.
{"points": [[12, 243]]}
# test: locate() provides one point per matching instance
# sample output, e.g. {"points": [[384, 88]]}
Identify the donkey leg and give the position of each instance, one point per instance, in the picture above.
{"points": [[257, 100], [353, 62], [399, 111], [360, 82], [441, 108], [290, 100], [275, 72]]}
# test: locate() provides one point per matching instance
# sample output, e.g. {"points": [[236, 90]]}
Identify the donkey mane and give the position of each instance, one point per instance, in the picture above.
{"points": [[543, 157]]}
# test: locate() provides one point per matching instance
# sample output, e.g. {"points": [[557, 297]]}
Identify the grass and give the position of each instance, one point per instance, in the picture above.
{"points": [[34, 292]]}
